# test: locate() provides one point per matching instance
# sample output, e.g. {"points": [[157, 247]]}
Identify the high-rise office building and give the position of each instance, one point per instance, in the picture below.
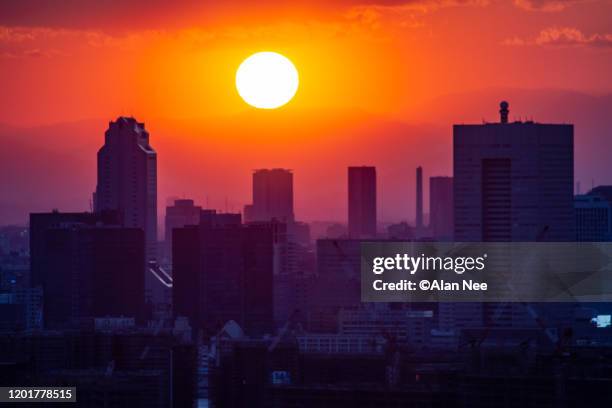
{"points": [[362, 202], [272, 196], [441, 207], [127, 182], [88, 271], [419, 200], [40, 223], [223, 271], [182, 212], [513, 181], [272, 206], [594, 215]]}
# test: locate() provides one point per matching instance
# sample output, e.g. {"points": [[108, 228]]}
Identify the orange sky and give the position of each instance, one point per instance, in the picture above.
{"points": [[361, 63], [178, 61]]}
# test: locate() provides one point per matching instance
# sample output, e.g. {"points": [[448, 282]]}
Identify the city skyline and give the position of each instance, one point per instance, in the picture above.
{"points": [[550, 60], [309, 203]]}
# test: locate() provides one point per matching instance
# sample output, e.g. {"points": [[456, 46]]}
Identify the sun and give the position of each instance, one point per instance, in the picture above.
{"points": [[267, 80]]}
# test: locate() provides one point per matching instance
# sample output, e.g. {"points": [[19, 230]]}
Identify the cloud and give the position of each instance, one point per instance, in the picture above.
{"points": [[28, 42], [422, 6], [96, 14], [72, 28], [564, 37], [402, 13], [31, 53], [567, 36], [546, 5], [162, 14]]}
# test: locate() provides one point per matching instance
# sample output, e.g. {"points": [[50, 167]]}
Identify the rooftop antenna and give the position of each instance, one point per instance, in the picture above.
{"points": [[503, 111]]}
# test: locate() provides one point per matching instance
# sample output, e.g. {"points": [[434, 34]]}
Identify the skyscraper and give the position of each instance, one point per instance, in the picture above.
{"points": [[362, 202], [441, 207], [223, 271], [513, 181], [272, 196], [127, 181], [88, 270], [182, 213], [41, 222], [419, 200]]}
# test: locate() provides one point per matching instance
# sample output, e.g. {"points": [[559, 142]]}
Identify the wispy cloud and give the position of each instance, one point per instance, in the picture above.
{"points": [[31, 53], [402, 13], [564, 37], [546, 5], [26, 42]]}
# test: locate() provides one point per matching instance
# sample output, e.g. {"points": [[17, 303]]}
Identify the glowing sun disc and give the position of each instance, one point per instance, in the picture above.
{"points": [[267, 80]]}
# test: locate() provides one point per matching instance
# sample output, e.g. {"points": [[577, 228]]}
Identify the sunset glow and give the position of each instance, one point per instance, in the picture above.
{"points": [[377, 83]]}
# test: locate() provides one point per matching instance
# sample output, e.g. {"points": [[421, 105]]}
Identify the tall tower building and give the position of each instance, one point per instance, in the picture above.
{"points": [[127, 181], [441, 207], [513, 181], [362, 202], [272, 196], [419, 199]]}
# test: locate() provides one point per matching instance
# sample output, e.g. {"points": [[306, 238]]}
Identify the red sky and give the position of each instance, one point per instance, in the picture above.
{"points": [[381, 82]]}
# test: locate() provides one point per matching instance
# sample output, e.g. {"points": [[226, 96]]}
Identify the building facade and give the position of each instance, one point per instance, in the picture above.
{"points": [[594, 215], [272, 196], [127, 183], [182, 212], [362, 202], [513, 181], [441, 208], [90, 271], [223, 270]]}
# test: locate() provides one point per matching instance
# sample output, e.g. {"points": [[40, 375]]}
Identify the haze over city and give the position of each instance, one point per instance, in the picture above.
{"points": [[352, 203], [380, 84]]}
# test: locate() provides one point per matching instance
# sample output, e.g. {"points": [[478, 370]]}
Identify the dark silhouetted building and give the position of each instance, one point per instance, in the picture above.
{"points": [[127, 368], [127, 183], [337, 284], [401, 231], [441, 207], [272, 196], [21, 309], [87, 270], [41, 222], [182, 213], [594, 215], [513, 181], [223, 271], [362, 202], [419, 200]]}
